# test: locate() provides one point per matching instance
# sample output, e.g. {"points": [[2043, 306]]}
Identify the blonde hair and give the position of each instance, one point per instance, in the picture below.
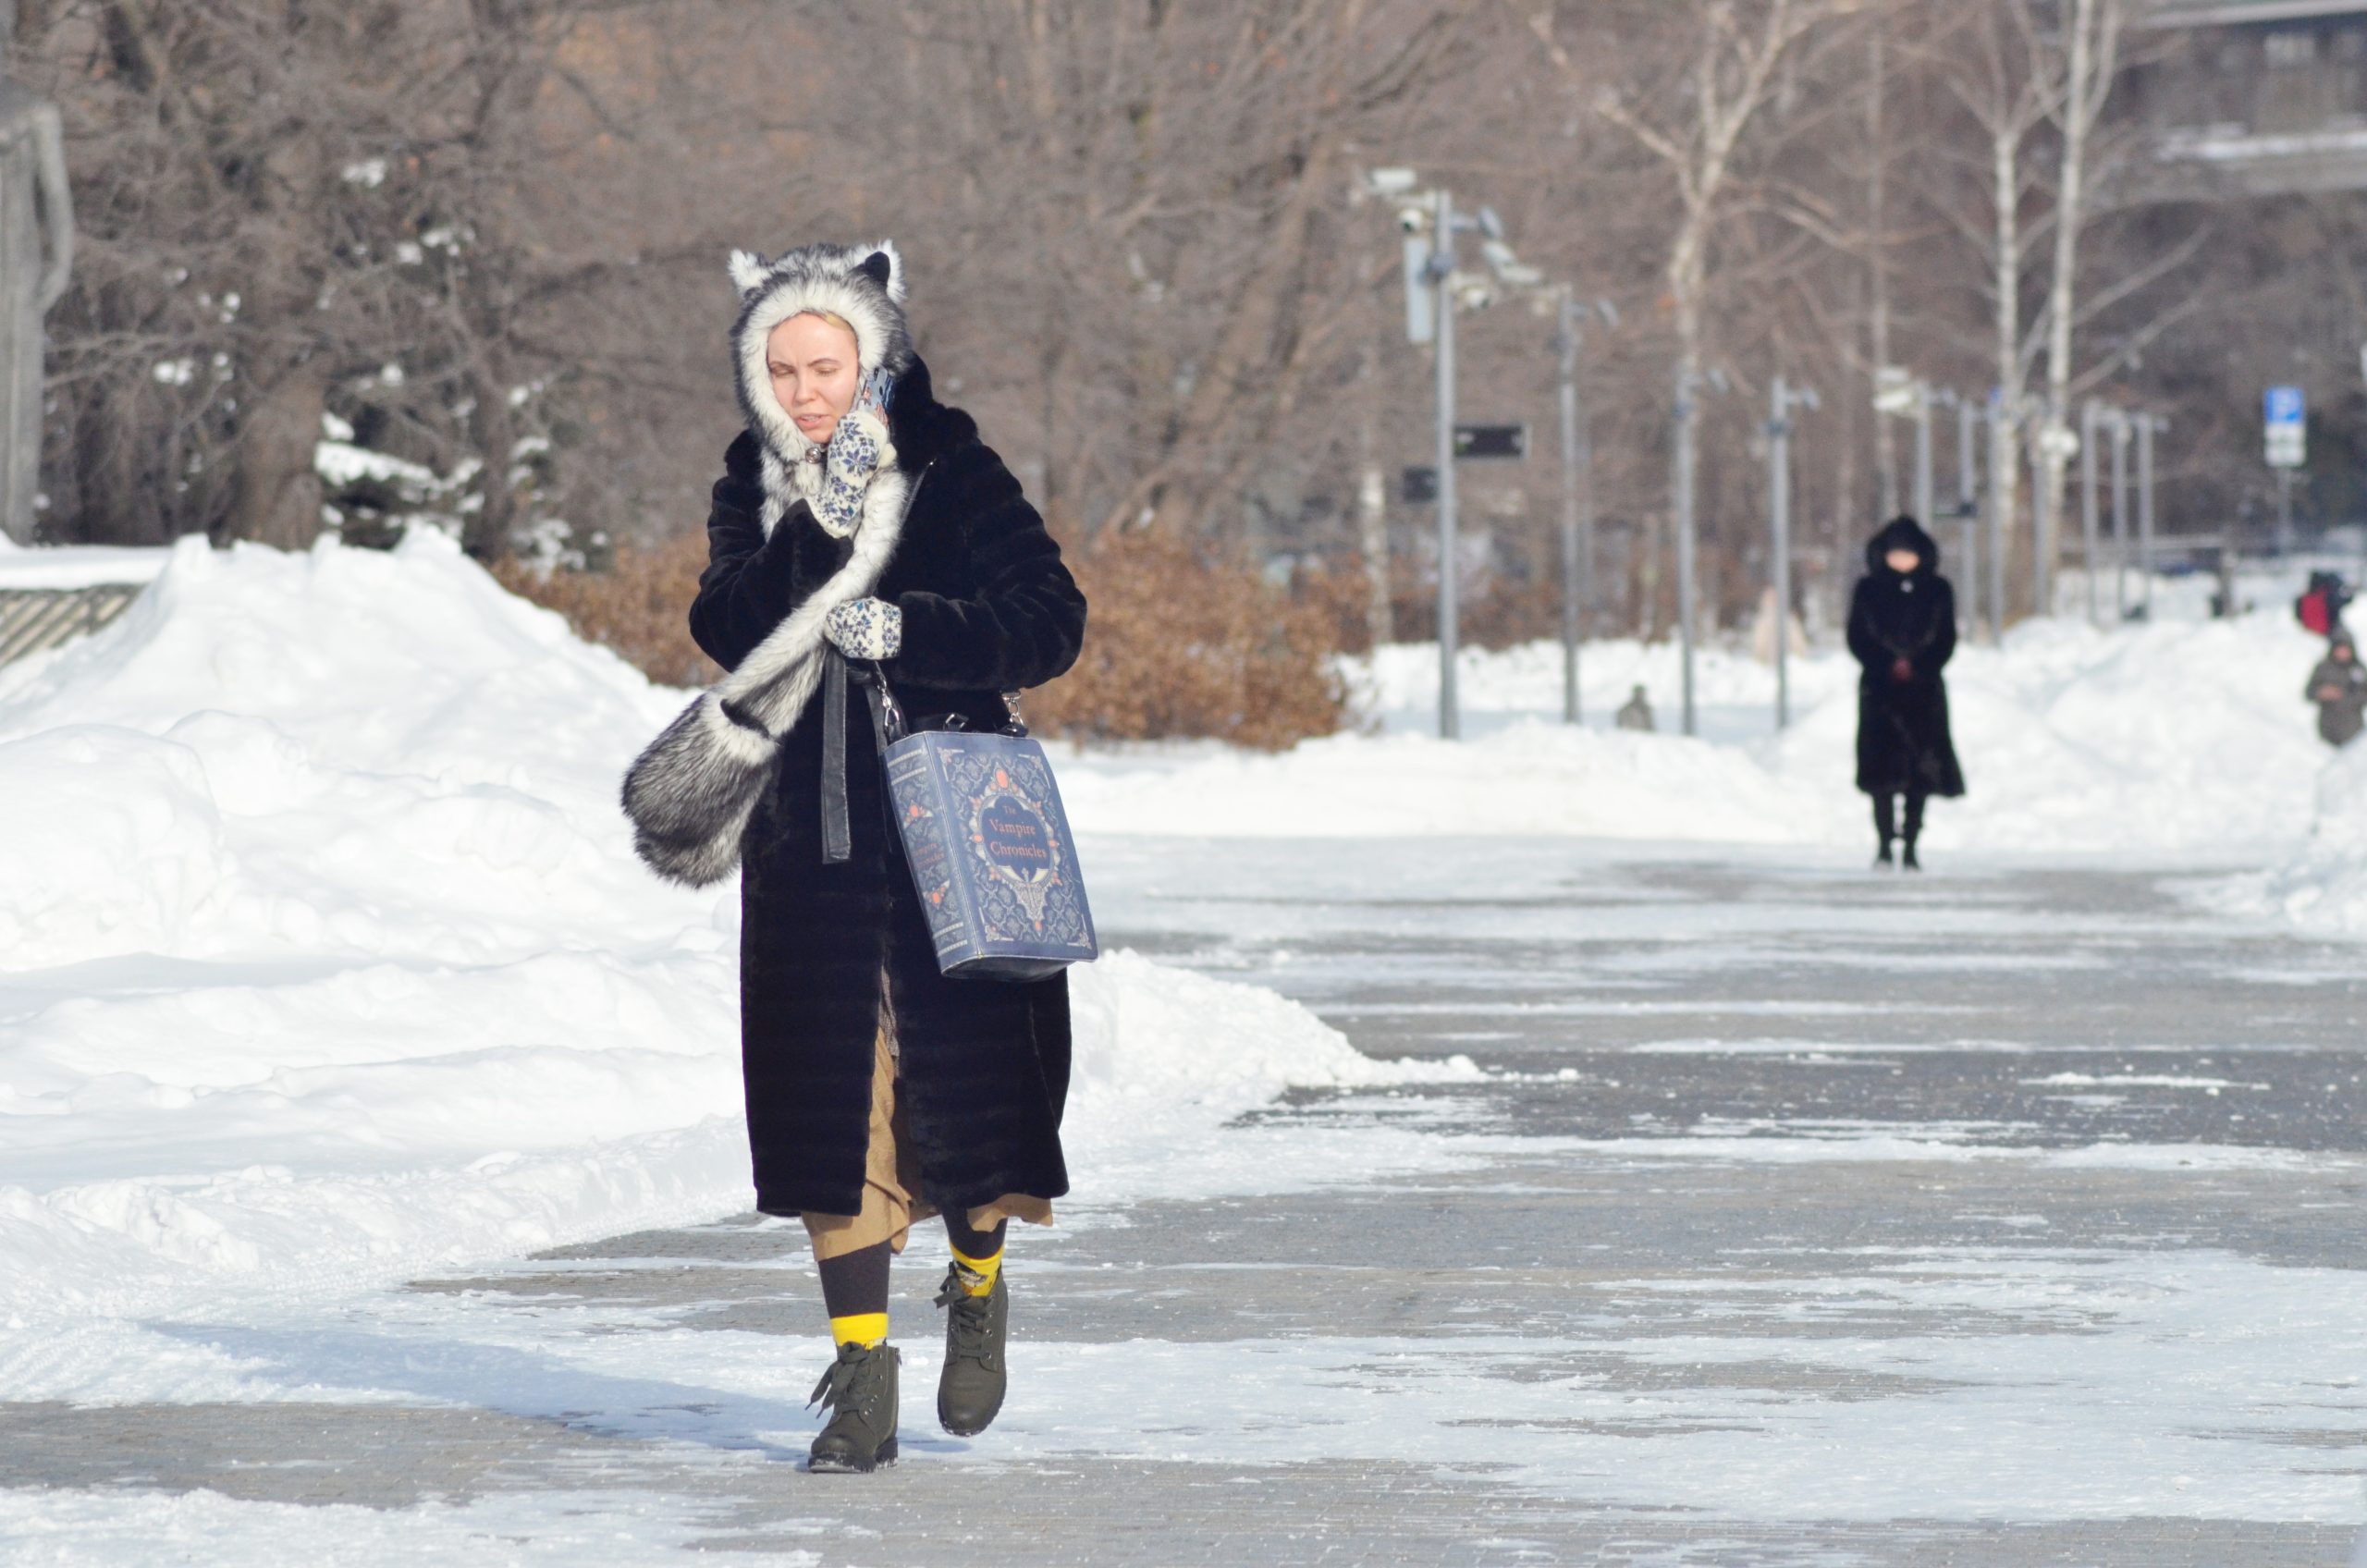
{"points": [[835, 320]]}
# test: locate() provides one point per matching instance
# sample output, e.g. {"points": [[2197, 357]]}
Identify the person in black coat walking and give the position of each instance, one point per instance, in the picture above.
{"points": [[1902, 630], [857, 510]]}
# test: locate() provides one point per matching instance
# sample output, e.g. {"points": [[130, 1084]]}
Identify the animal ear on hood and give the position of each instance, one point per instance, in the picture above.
{"points": [[747, 272], [885, 267]]}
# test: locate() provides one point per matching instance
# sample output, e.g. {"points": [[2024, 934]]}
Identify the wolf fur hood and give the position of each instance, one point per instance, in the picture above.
{"points": [[862, 286]]}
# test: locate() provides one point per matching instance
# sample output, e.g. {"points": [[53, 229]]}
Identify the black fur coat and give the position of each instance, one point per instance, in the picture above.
{"points": [[984, 1065], [1902, 630]]}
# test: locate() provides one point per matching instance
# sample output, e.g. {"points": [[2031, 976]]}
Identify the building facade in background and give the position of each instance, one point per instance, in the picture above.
{"points": [[2251, 97]]}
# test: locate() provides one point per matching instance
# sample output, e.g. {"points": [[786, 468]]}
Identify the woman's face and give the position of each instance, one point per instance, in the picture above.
{"points": [[814, 371], [1903, 561]]}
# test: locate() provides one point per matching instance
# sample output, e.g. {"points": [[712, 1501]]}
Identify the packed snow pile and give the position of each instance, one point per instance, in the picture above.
{"points": [[2177, 737], [76, 566], [2321, 885], [328, 958]]}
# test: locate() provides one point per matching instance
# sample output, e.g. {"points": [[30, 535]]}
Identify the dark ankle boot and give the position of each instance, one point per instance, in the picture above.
{"points": [[1882, 858], [1910, 862], [860, 1393], [970, 1390]]}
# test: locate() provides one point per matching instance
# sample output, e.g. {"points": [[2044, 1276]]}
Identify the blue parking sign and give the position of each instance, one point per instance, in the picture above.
{"points": [[2286, 416]]}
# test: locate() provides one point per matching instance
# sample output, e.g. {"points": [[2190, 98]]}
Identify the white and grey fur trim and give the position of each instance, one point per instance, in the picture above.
{"points": [[691, 793], [863, 285]]}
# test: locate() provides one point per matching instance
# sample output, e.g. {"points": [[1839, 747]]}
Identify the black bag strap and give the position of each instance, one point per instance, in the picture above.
{"points": [[838, 841]]}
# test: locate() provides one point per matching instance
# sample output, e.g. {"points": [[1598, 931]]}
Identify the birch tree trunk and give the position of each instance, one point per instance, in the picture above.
{"points": [[2092, 62]]}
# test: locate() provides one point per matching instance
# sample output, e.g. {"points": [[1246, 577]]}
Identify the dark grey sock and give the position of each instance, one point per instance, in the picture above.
{"points": [[856, 1283]]}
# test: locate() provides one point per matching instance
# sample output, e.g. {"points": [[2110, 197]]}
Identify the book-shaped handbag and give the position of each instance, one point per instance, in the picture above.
{"points": [[990, 850]]}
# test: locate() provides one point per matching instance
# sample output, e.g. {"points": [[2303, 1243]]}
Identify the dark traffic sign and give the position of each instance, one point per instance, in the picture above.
{"points": [[1492, 441]]}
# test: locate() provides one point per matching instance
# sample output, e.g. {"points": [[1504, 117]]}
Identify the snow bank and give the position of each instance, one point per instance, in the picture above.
{"points": [[76, 566], [2168, 738], [328, 959], [2322, 885]]}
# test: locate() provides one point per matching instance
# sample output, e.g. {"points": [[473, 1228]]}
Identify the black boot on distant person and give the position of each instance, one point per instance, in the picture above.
{"points": [[1884, 858], [860, 1391], [1907, 860]]}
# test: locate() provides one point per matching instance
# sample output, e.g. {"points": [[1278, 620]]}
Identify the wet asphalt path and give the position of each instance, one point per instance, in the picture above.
{"points": [[2012, 1215]]}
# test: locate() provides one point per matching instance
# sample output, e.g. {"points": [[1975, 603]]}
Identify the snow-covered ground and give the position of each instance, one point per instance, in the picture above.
{"points": [[328, 964], [327, 959], [76, 566]]}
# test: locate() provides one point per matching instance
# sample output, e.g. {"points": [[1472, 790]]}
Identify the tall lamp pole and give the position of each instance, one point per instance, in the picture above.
{"points": [[1968, 502], [1781, 402], [2120, 509], [1994, 522], [2091, 418], [1686, 412], [1442, 272], [1578, 504], [1926, 498], [2148, 426]]}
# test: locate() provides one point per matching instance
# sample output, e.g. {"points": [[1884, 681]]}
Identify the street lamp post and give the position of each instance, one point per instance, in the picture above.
{"points": [[1968, 502], [2120, 434], [1781, 402], [2054, 448], [1993, 521], [1926, 488], [2090, 422], [2148, 426], [1433, 290], [1578, 502], [1441, 271], [1683, 458]]}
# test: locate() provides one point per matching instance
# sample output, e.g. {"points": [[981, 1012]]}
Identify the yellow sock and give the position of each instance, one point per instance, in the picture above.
{"points": [[978, 1273], [864, 1329]]}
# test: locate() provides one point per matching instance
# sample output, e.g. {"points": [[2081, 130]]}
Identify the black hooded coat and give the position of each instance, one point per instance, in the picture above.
{"points": [[987, 607], [1902, 630]]}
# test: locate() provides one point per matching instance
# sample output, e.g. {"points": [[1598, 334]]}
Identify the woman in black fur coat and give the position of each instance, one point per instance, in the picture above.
{"points": [[857, 510], [1902, 630]]}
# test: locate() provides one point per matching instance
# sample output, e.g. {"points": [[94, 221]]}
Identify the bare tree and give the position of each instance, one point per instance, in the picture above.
{"points": [[2091, 54]]}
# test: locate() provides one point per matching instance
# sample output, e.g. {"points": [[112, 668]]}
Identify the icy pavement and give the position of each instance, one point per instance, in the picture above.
{"points": [[2006, 1216]]}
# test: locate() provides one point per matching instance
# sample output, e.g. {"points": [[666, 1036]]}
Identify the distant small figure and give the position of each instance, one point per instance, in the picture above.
{"points": [[2320, 607], [2224, 606], [2339, 688], [1902, 630], [1637, 713]]}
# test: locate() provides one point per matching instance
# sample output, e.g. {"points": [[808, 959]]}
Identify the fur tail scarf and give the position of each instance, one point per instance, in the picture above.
{"points": [[691, 793]]}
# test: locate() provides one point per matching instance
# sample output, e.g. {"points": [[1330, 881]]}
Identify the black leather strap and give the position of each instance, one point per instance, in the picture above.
{"points": [[887, 729], [837, 842]]}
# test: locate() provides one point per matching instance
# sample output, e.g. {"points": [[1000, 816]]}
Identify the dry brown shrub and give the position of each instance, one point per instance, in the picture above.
{"points": [[1177, 645], [640, 606], [1180, 645]]}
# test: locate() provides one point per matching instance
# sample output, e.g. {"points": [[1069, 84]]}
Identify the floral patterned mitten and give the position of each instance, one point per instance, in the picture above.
{"points": [[867, 629], [858, 449]]}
